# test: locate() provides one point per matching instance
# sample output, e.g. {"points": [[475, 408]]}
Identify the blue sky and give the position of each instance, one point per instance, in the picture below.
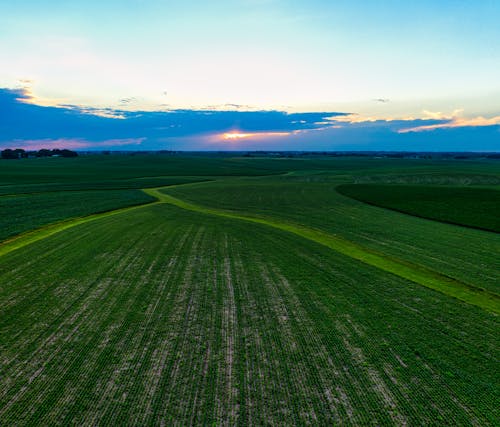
{"points": [[426, 73]]}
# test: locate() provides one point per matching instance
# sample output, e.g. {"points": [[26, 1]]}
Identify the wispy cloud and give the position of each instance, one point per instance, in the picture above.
{"points": [[127, 101], [438, 115], [352, 118], [453, 120], [358, 118]]}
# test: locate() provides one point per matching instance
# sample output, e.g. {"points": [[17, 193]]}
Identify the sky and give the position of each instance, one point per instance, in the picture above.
{"points": [[250, 74]]}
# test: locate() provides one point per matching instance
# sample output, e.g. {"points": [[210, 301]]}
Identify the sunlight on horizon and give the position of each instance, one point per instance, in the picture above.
{"points": [[234, 136]]}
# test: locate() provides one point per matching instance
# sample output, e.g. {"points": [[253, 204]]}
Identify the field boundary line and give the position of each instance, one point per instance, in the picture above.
{"points": [[408, 213], [415, 273], [23, 239], [37, 234]]}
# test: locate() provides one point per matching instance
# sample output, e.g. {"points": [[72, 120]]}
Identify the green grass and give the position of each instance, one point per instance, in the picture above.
{"points": [[466, 255], [23, 213], [161, 315], [404, 269], [470, 207], [260, 296]]}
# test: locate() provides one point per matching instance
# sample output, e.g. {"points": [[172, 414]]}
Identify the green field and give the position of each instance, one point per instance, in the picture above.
{"points": [[258, 296], [20, 213], [472, 207], [462, 253]]}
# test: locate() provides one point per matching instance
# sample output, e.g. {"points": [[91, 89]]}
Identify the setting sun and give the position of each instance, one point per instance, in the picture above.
{"points": [[237, 135], [233, 136]]}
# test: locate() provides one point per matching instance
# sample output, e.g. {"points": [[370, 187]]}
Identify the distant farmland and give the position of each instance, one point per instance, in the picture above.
{"points": [[248, 291], [471, 207]]}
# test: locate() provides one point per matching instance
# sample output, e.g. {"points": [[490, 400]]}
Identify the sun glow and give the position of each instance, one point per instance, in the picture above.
{"points": [[234, 136], [237, 135]]}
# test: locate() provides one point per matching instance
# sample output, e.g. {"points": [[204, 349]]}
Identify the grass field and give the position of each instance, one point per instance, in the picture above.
{"points": [[247, 300]]}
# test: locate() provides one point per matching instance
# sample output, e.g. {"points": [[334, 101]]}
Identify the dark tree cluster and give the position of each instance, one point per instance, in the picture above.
{"points": [[19, 153]]}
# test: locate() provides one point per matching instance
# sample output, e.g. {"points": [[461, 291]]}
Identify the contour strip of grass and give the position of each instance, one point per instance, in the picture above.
{"points": [[29, 237], [416, 273], [40, 233]]}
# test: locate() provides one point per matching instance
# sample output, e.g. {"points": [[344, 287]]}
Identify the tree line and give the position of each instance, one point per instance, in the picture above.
{"points": [[19, 153]]}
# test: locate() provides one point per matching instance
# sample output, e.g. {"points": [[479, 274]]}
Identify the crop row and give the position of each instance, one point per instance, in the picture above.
{"points": [[163, 316], [23, 213], [465, 254], [467, 206]]}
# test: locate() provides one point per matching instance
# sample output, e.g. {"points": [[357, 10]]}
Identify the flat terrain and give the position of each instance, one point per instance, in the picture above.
{"points": [[258, 296], [462, 253], [472, 207], [24, 212]]}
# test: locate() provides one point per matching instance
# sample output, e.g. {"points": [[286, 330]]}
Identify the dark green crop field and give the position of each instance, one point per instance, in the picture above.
{"points": [[248, 291], [77, 185], [472, 207], [25, 212]]}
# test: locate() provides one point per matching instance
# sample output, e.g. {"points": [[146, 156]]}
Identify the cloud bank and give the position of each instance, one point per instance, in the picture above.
{"points": [[24, 124]]}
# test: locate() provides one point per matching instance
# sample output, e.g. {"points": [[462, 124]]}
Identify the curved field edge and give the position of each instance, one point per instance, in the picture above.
{"points": [[201, 320], [467, 215], [416, 273], [29, 237], [24, 213]]}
